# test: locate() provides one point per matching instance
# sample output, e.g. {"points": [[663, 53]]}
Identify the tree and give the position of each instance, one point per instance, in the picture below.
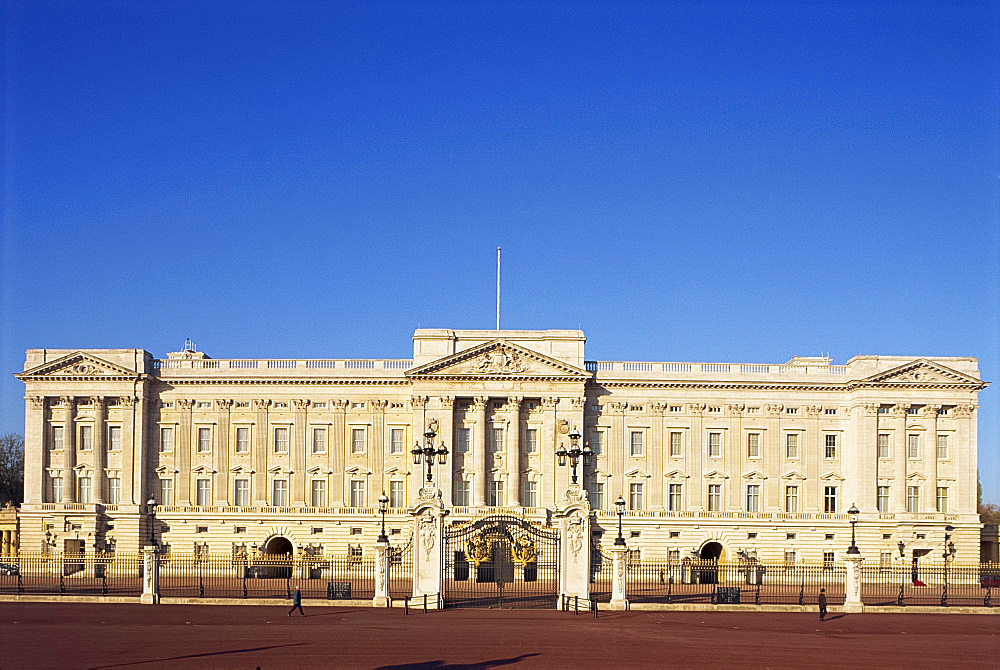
{"points": [[11, 468]]}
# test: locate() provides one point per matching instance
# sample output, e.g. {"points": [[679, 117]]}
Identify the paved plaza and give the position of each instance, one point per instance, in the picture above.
{"points": [[81, 635]]}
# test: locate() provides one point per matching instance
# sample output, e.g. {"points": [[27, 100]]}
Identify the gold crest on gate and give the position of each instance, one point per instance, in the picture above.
{"points": [[478, 550], [524, 551]]}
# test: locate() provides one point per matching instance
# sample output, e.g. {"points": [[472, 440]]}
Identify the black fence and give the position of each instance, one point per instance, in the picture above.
{"points": [[943, 585], [38, 573]]}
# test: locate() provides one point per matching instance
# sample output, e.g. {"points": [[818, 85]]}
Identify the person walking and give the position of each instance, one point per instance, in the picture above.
{"points": [[822, 604], [297, 603]]}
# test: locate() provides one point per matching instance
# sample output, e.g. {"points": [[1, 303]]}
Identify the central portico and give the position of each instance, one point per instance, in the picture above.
{"points": [[507, 398]]}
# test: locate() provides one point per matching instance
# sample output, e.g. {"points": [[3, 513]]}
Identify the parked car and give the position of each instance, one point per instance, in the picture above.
{"points": [[989, 578], [9, 569]]}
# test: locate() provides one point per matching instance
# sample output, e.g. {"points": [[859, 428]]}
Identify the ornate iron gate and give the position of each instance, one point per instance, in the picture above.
{"points": [[501, 561]]}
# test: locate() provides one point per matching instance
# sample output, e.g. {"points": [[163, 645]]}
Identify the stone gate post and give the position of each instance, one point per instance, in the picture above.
{"points": [[151, 575], [852, 584], [573, 518], [381, 598], [428, 547]]}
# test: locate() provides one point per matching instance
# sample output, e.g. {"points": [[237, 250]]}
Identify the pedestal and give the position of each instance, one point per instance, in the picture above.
{"points": [[428, 547], [381, 598], [619, 554], [852, 584], [151, 575]]}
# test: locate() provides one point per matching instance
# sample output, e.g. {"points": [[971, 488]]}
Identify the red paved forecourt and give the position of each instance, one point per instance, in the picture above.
{"points": [[80, 635]]}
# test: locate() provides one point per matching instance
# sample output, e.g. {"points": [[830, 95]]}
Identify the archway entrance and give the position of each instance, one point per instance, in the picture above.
{"points": [[277, 559], [710, 555]]}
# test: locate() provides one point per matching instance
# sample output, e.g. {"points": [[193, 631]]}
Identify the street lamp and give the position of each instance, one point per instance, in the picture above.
{"points": [[383, 507], [575, 452], [151, 508], [428, 452], [852, 514], [949, 553], [620, 510]]}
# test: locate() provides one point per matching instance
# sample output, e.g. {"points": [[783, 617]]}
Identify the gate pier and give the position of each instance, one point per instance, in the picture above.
{"points": [[574, 532], [428, 546]]}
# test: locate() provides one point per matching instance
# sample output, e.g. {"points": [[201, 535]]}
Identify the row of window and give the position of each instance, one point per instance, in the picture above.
{"points": [[85, 437], [84, 487], [280, 440], [675, 500]]}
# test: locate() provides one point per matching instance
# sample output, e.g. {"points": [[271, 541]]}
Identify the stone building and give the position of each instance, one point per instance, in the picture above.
{"points": [[290, 455]]}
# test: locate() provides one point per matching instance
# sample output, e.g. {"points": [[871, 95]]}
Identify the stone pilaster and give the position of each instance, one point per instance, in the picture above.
{"points": [[300, 447], [547, 443], [898, 491], [617, 446], [446, 433], [262, 447], [69, 449], [183, 446], [36, 449], [929, 462], [861, 458], [774, 457], [428, 548], [381, 598], [100, 449], [338, 451], [131, 442], [515, 451], [698, 458], [965, 451], [656, 456], [378, 447], [220, 455], [481, 479]]}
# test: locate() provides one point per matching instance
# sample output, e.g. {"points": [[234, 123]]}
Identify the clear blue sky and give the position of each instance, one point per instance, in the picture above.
{"points": [[707, 181]]}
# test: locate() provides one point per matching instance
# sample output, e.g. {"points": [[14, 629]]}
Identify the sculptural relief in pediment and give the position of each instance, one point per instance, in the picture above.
{"points": [[498, 359]]}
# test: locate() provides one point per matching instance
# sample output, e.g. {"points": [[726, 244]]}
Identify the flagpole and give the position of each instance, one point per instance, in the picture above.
{"points": [[498, 288]]}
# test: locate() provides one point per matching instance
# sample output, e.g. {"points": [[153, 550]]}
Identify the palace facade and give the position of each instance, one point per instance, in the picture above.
{"points": [[291, 455]]}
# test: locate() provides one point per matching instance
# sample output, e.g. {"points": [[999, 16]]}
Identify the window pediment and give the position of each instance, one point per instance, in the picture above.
{"points": [[793, 475], [715, 474]]}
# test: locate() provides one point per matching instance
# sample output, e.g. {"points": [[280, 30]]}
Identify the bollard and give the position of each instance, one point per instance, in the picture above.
{"points": [[244, 586], [802, 592], [406, 606], [20, 586], [62, 586], [593, 606], [425, 603], [104, 586], [576, 604]]}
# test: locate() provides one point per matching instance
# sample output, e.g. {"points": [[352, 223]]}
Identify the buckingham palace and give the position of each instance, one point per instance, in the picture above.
{"points": [[712, 460]]}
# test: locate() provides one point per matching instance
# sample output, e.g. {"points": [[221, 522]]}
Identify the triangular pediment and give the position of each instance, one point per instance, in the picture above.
{"points": [[675, 474], [792, 474], [832, 476], [754, 474], [715, 474], [498, 359], [921, 372], [636, 473], [78, 364]]}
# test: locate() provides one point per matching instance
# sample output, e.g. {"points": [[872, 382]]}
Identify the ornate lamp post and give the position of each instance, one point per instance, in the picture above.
{"points": [[151, 508], [948, 555], [902, 571], [575, 452], [620, 510], [427, 452], [383, 507], [852, 514]]}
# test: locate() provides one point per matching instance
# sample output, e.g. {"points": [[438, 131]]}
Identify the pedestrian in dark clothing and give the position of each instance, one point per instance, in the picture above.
{"points": [[297, 603], [822, 604]]}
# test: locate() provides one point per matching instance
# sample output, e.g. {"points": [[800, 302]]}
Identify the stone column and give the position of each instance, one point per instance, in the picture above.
{"points": [[338, 451], [151, 576], [772, 450], [481, 480], [261, 448], [381, 598], [617, 446], [446, 433], [69, 450], [964, 453], [100, 449], [573, 519], [852, 584], [182, 452], [898, 446], [36, 449], [428, 549], [619, 555], [300, 447], [514, 451], [220, 455], [865, 422]]}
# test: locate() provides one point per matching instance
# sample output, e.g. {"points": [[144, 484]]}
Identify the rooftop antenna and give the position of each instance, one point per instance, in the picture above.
{"points": [[498, 288], [189, 344]]}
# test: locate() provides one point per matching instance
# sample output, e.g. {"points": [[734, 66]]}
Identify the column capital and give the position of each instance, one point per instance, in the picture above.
{"points": [[98, 401], [185, 403], [67, 400], [379, 405], [964, 411], [899, 411], [578, 403], [929, 411], [737, 409], [128, 401], [480, 402], [447, 401], [550, 402], [696, 408], [418, 401], [261, 404], [870, 409], [339, 404], [224, 404], [37, 401], [813, 410], [773, 410], [300, 404]]}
